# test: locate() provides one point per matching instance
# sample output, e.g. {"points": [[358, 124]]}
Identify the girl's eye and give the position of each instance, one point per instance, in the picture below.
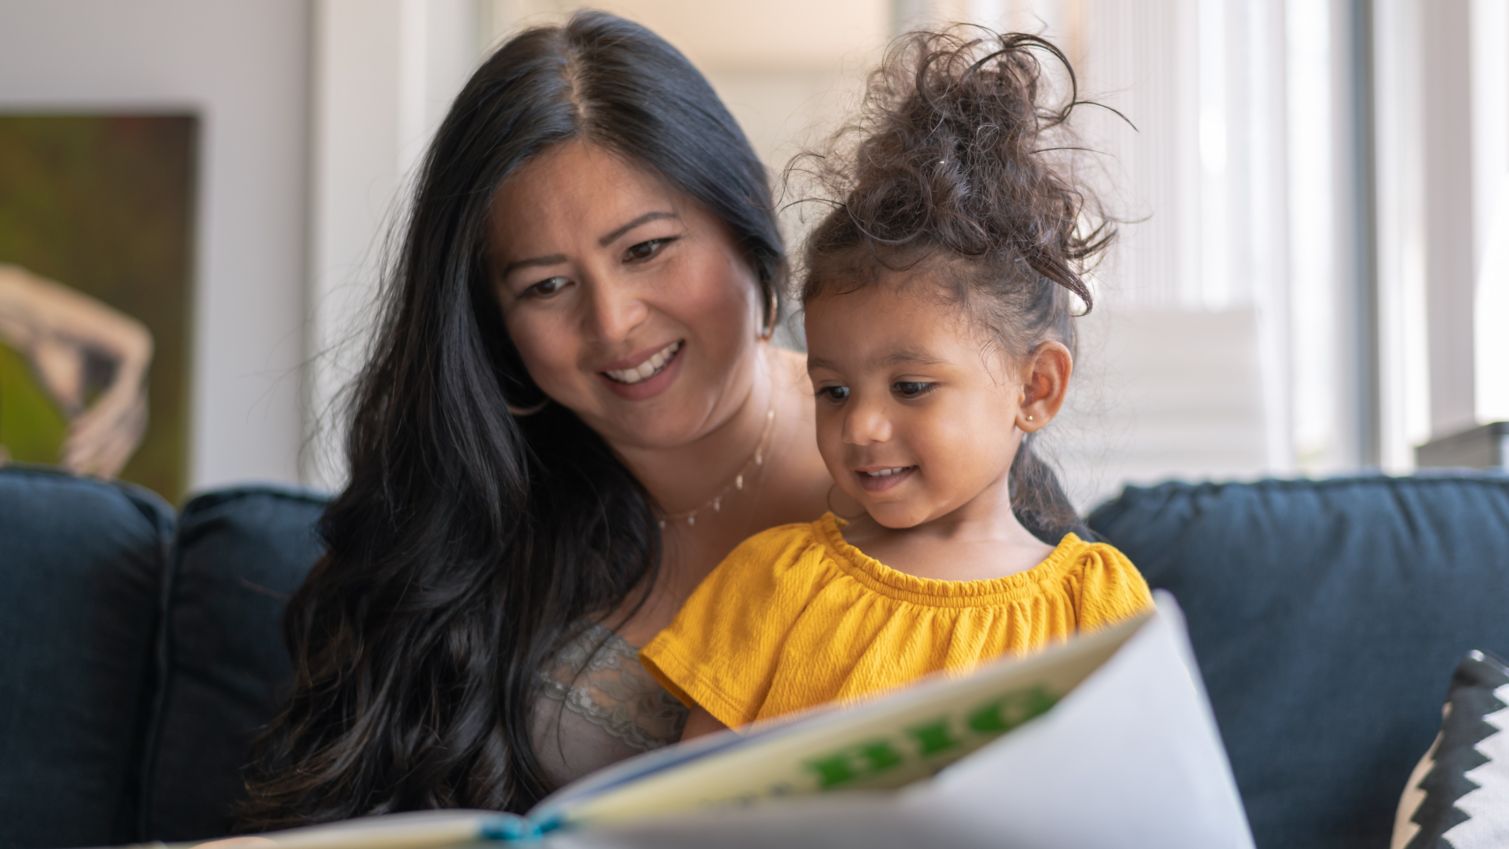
{"points": [[833, 394], [645, 250], [545, 288], [912, 388]]}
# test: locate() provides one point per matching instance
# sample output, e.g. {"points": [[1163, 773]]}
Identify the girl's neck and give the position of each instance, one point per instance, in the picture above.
{"points": [[980, 540]]}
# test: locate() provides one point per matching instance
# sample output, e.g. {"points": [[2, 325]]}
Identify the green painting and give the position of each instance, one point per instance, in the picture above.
{"points": [[96, 294]]}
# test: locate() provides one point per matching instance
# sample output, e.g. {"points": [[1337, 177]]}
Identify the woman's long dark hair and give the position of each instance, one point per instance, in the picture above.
{"points": [[469, 543], [961, 162]]}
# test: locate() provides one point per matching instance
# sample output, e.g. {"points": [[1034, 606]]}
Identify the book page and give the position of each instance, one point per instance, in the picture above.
{"points": [[884, 742]]}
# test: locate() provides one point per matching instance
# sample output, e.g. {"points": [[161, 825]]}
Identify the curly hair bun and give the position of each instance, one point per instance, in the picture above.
{"points": [[961, 149]]}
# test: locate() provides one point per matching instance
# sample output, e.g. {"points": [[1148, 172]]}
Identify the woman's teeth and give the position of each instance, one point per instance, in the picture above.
{"points": [[647, 369]]}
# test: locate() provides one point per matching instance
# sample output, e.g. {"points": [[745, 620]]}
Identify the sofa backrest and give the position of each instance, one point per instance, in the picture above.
{"points": [[238, 556], [139, 655], [139, 659], [1326, 617], [81, 594]]}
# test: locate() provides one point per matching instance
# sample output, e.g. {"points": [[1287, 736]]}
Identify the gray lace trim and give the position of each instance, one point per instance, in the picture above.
{"points": [[598, 677]]}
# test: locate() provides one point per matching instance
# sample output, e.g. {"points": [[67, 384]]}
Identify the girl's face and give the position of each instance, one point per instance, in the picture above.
{"points": [[916, 411], [627, 301]]}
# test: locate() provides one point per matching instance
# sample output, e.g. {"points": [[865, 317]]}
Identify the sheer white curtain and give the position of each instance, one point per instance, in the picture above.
{"points": [[1442, 88], [1185, 361]]}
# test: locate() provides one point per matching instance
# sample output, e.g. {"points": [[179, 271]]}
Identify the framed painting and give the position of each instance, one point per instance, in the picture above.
{"points": [[96, 293]]}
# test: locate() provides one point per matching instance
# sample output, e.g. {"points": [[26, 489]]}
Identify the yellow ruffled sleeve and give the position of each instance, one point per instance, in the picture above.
{"points": [[722, 650], [1110, 587]]}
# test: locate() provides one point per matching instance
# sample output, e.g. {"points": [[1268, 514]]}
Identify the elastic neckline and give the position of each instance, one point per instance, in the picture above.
{"points": [[937, 592]]}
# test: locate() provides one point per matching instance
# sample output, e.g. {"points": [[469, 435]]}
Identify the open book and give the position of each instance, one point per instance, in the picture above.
{"points": [[1104, 740]]}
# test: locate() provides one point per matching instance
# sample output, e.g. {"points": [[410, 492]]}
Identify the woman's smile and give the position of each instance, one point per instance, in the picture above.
{"points": [[647, 376]]}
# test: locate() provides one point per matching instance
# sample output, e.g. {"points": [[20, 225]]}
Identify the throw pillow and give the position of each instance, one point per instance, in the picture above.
{"points": [[1458, 795]]}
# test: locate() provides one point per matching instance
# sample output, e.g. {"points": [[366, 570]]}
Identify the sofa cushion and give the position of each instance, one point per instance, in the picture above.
{"points": [[240, 554], [1326, 617], [81, 576]]}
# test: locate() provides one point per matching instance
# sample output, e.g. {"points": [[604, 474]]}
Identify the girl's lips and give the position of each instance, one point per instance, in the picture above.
{"points": [[881, 483], [650, 387]]}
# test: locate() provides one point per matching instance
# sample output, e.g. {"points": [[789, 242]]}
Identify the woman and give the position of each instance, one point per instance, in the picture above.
{"points": [[572, 412]]}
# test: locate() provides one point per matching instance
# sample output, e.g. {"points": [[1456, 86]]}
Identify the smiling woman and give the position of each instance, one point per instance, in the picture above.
{"points": [[573, 411], [628, 302]]}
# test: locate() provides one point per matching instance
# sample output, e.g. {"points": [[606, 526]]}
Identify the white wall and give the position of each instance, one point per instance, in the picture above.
{"points": [[243, 68], [384, 74]]}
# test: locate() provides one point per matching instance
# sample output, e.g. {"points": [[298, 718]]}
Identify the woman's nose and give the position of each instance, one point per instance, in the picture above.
{"points": [[613, 311], [866, 423]]}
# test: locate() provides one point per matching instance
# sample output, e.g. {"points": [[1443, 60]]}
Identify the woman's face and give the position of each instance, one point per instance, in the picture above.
{"points": [[627, 300]]}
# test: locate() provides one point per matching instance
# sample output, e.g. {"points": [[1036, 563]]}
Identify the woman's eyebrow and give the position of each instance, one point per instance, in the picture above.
{"points": [[558, 259], [643, 219], [553, 259]]}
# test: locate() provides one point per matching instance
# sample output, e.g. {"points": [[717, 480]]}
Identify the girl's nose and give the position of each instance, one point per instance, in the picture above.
{"points": [[613, 311], [865, 424]]}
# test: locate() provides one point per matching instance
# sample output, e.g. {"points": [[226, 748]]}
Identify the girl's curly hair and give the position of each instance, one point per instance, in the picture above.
{"points": [[962, 164]]}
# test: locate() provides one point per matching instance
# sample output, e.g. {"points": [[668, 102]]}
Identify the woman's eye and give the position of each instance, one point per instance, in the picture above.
{"points": [[641, 251], [912, 388], [545, 288], [834, 394]]}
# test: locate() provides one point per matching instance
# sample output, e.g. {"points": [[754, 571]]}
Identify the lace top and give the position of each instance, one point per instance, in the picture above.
{"points": [[598, 706]]}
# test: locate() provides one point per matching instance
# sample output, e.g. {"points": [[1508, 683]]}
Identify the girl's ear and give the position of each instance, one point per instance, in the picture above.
{"points": [[1045, 384]]}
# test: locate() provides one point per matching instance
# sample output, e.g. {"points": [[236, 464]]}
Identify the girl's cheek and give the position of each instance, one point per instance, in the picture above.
{"points": [[827, 438]]}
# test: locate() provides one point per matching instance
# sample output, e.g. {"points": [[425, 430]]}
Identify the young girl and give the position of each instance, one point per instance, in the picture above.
{"points": [[940, 297]]}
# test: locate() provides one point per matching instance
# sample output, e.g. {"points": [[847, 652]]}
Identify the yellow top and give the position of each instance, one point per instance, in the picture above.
{"points": [[796, 617]]}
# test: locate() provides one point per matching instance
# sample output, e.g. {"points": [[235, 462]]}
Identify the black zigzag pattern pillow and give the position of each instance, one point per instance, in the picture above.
{"points": [[1458, 796]]}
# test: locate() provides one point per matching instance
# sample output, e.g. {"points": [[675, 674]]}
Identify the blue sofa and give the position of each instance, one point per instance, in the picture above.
{"points": [[141, 646]]}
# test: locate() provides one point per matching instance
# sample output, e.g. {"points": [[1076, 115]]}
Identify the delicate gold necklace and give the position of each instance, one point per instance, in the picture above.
{"points": [[755, 463]]}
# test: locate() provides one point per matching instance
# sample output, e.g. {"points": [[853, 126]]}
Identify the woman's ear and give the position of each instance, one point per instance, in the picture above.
{"points": [[1045, 384]]}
